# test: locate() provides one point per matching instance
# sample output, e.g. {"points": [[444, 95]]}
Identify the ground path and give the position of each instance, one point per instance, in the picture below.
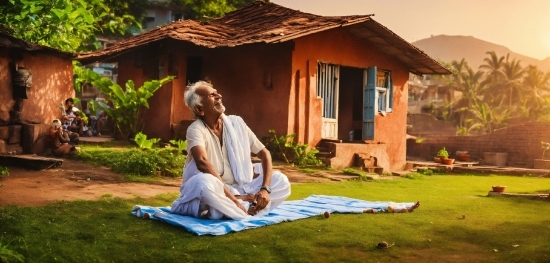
{"points": [[77, 180]]}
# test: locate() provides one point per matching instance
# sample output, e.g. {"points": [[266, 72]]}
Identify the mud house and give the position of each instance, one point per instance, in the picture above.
{"points": [[322, 78], [34, 80]]}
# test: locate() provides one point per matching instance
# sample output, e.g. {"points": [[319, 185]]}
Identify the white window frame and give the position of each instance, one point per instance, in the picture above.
{"points": [[382, 94]]}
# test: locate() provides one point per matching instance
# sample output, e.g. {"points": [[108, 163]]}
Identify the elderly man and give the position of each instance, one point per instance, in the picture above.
{"points": [[219, 179]]}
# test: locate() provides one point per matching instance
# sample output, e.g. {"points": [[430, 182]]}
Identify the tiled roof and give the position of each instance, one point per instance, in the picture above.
{"points": [[10, 42], [262, 22]]}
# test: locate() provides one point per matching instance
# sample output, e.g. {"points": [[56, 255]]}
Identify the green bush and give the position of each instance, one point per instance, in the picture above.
{"points": [[8, 255], [284, 148], [136, 161], [4, 170]]}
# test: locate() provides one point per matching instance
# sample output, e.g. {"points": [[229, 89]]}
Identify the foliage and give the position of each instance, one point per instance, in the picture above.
{"points": [[181, 144], [443, 153], [284, 146], [499, 90], [143, 142], [134, 161], [128, 104], [205, 10], [4, 170], [545, 147], [67, 25], [415, 176], [8, 255]]}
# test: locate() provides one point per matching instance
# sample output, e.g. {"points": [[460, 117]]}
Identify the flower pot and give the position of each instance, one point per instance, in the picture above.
{"points": [[437, 159], [463, 158], [499, 188], [448, 161], [442, 158]]}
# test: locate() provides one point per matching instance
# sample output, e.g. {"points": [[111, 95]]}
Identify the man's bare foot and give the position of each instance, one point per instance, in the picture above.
{"points": [[252, 210], [415, 206]]}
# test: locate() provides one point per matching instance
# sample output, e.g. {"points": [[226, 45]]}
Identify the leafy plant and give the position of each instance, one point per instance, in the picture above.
{"points": [[128, 104], [143, 142], [545, 147], [4, 170], [181, 144], [443, 153], [284, 146], [134, 161]]}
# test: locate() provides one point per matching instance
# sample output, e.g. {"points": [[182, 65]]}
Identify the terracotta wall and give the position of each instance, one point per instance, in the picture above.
{"points": [[254, 81], [521, 142], [328, 47], [51, 85]]}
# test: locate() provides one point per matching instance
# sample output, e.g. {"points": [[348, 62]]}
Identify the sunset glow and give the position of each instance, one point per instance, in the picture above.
{"points": [[522, 26]]}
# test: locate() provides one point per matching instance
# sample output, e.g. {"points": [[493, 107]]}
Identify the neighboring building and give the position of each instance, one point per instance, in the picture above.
{"points": [[34, 81], [282, 69]]}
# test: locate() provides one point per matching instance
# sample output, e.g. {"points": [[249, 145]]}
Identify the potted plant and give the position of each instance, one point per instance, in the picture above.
{"points": [[443, 154], [543, 163]]}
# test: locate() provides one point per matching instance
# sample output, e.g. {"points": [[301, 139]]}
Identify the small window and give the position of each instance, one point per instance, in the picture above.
{"points": [[384, 92]]}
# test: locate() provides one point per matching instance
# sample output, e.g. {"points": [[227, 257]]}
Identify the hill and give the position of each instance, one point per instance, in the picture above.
{"points": [[449, 48]]}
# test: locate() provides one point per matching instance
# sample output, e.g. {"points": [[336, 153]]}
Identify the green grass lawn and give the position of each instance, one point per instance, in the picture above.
{"points": [[496, 229]]}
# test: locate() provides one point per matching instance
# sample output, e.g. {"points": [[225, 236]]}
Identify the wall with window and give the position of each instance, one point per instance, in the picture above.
{"points": [[339, 46]]}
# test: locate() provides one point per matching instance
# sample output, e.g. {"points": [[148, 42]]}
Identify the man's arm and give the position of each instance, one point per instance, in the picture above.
{"points": [[262, 197], [199, 155]]}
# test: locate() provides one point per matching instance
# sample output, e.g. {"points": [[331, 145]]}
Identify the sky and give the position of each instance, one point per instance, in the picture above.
{"points": [[523, 26]]}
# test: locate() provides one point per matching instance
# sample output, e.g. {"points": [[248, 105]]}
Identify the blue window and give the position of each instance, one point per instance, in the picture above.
{"points": [[377, 98]]}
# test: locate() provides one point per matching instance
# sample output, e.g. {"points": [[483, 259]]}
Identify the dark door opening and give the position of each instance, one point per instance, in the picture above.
{"points": [[194, 69], [350, 103]]}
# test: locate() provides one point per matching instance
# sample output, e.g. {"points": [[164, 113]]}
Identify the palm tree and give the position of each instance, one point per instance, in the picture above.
{"points": [[493, 67], [535, 84], [472, 88], [513, 74]]}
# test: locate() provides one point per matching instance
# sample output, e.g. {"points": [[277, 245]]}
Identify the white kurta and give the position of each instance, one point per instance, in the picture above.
{"points": [[201, 192]]}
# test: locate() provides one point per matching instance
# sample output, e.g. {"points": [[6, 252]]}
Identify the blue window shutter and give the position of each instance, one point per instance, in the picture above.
{"points": [[390, 87], [369, 95]]}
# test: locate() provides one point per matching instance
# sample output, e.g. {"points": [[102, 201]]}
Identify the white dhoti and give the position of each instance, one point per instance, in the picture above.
{"points": [[205, 192], [201, 192]]}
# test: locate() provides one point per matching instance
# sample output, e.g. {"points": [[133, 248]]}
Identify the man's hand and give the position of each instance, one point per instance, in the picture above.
{"points": [[261, 199], [236, 201]]}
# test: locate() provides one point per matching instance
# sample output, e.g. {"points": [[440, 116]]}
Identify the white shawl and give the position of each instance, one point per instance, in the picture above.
{"points": [[236, 141]]}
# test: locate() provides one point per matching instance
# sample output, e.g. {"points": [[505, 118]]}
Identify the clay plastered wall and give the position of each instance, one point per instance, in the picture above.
{"points": [[51, 85], [521, 142], [340, 47], [237, 73]]}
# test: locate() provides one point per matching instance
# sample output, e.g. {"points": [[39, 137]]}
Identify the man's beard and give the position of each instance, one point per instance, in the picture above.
{"points": [[220, 109]]}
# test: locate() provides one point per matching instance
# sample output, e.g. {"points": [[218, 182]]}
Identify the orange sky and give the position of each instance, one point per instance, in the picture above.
{"points": [[520, 25]]}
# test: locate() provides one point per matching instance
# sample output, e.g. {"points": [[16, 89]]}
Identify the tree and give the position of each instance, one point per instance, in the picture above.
{"points": [[535, 84], [68, 25], [513, 74], [208, 9]]}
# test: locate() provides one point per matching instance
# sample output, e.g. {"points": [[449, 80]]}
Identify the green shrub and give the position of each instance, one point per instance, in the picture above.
{"points": [[4, 170], [285, 148], [136, 161]]}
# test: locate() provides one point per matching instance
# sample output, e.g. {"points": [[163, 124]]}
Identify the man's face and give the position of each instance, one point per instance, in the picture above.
{"points": [[69, 104], [211, 102]]}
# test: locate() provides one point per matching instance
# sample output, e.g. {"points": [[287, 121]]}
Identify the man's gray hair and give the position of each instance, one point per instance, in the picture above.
{"points": [[193, 99]]}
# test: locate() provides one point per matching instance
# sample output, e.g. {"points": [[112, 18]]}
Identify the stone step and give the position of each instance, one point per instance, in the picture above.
{"points": [[30, 161]]}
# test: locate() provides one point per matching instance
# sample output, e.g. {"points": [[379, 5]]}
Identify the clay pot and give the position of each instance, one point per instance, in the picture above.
{"points": [[499, 188], [442, 158], [463, 158], [448, 161], [437, 159]]}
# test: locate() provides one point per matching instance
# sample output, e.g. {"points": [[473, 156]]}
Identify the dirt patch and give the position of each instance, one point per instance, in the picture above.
{"points": [[77, 180]]}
